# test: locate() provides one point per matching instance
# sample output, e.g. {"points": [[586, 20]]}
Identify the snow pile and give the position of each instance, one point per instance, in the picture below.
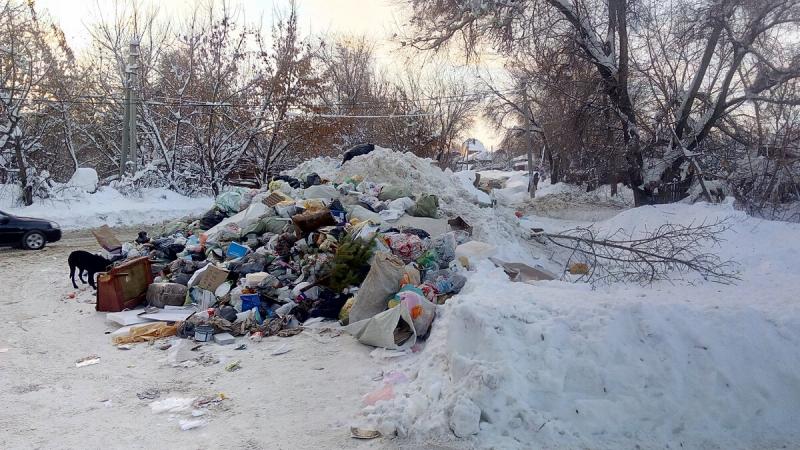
{"points": [[324, 166], [457, 195], [515, 190], [467, 180], [560, 365], [74, 208], [501, 175], [85, 179]]}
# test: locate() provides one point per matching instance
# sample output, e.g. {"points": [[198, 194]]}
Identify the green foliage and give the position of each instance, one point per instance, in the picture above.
{"points": [[349, 262]]}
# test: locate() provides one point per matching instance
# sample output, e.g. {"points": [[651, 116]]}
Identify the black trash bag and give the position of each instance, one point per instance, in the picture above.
{"points": [[211, 218], [301, 311], [228, 313], [313, 179], [181, 278], [293, 182], [168, 247], [422, 234], [250, 263], [357, 150], [328, 305]]}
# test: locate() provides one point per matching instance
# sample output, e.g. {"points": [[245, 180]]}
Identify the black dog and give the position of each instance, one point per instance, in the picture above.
{"points": [[357, 150], [143, 238], [88, 262]]}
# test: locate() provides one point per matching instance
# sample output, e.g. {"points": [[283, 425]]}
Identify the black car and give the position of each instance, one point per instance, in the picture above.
{"points": [[28, 232]]}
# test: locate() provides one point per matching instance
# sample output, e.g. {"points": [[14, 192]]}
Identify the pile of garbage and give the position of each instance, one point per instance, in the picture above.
{"points": [[367, 244]]}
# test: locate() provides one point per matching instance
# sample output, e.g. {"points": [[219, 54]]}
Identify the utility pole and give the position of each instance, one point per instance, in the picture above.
{"points": [[132, 70], [128, 148], [528, 138], [126, 107]]}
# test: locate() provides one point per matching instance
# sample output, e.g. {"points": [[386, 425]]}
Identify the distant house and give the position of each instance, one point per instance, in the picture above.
{"points": [[520, 163], [474, 155], [472, 147]]}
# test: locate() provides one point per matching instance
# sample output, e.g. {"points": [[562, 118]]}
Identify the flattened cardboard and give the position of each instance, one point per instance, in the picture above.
{"points": [[105, 237], [522, 272], [211, 278]]}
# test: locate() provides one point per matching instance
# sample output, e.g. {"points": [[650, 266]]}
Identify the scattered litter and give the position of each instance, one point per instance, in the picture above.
{"points": [[241, 347], [124, 347], [233, 366], [146, 333], [285, 348], [207, 359], [522, 272], [209, 400], [382, 394], [149, 394], [361, 433], [87, 361], [579, 269], [172, 404], [188, 424]]}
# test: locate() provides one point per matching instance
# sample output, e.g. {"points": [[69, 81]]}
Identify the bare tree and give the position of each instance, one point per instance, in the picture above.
{"points": [[740, 43], [33, 59], [649, 256]]}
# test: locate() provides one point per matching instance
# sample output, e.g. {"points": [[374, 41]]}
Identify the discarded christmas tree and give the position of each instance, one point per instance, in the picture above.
{"points": [[350, 263]]}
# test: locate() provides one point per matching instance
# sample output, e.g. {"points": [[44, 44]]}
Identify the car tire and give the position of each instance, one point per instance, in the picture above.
{"points": [[34, 240]]}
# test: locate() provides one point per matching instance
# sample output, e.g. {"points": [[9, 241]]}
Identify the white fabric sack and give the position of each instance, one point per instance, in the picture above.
{"points": [[378, 331], [382, 281]]}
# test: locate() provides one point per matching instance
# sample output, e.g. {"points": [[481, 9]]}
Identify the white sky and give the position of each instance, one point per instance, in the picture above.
{"points": [[379, 20]]}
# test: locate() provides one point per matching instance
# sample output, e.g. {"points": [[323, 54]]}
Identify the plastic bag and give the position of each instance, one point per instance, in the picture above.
{"points": [[426, 206], [228, 202], [383, 281], [323, 191], [421, 310], [408, 247], [401, 204], [392, 329], [394, 192]]}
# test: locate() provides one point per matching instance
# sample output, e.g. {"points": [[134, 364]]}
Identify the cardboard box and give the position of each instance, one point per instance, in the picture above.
{"points": [[211, 278]]}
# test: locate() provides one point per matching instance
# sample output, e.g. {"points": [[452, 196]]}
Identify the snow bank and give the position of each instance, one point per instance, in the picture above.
{"points": [[77, 209], [560, 365]]}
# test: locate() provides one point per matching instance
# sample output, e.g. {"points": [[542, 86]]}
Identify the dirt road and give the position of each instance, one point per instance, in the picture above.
{"points": [[305, 398]]}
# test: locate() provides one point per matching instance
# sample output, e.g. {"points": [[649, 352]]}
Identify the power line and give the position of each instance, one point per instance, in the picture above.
{"points": [[188, 102]]}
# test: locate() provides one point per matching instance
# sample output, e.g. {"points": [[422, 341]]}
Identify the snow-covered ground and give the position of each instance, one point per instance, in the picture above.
{"points": [[679, 364], [77, 209], [687, 364]]}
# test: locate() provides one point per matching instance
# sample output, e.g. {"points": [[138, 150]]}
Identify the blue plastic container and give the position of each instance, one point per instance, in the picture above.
{"points": [[236, 250], [250, 301]]}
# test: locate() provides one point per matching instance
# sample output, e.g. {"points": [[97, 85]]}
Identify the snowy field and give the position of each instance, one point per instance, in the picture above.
{"points": [[76, 209], [684, 363]]}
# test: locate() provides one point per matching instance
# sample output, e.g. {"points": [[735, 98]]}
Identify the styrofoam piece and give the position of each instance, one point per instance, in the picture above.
{"points": [[126, 318]]}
